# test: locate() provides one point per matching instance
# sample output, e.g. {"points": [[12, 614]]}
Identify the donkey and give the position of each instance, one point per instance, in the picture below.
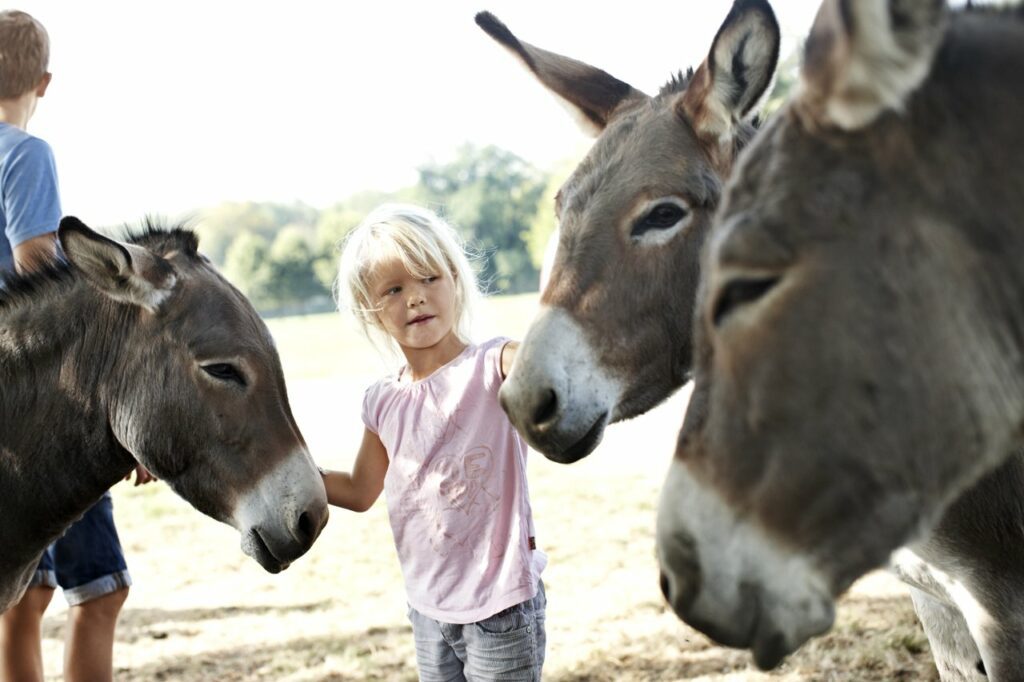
{"points": [[859, 344], [633, 217], [142, 352], [989, 506]]}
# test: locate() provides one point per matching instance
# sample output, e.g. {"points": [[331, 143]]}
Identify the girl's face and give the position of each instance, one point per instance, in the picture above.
{"points": [[417, 312]]}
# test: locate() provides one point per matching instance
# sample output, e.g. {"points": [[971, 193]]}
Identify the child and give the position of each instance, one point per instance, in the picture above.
{"points": [[438, 442]]}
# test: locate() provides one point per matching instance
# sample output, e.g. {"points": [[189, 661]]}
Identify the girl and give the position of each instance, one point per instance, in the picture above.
{"points": [[437, 441]]}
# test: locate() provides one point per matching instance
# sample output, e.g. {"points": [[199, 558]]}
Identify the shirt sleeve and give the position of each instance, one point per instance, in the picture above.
{"points": [[370, 412], [31, 197]]}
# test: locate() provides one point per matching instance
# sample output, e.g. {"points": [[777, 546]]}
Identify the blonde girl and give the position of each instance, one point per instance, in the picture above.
{"points": [[436, 441]]}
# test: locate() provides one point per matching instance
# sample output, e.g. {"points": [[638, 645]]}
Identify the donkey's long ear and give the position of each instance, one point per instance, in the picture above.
{"points": [[124, 272], [736, 74], [864, 57], [591, 95]]}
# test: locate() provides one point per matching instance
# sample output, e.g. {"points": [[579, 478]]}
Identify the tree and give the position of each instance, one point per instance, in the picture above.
{"points": [[248, 268], [223, 223], [490, 195], [291, 268], [546, 222], [332, 227]]}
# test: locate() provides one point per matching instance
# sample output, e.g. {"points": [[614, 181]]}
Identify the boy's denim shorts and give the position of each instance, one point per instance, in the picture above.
{"points": [[507, 646], [87, 561]]}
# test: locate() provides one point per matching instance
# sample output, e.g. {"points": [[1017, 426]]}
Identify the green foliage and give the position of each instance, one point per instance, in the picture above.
{"points": [[491, 196], [224, 223], [546, 222], [331, 228], [291, 267], [282, 256], [247, 266]]}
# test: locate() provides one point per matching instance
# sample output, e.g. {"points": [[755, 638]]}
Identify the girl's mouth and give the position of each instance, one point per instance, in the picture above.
{"points": [[419, 319]]}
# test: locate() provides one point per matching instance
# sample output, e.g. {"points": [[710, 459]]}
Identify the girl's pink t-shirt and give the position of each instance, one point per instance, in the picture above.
{"points": [[456, 488]]}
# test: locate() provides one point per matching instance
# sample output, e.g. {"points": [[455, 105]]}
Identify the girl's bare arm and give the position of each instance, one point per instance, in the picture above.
{"points": [[361, 488]]}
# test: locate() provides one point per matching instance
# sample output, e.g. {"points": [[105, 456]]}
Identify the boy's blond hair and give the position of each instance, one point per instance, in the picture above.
{"points": [[24, 53], [425, 244]]}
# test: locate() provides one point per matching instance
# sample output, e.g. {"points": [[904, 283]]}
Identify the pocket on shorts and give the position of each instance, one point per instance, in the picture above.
{"points": [[503, 622]]}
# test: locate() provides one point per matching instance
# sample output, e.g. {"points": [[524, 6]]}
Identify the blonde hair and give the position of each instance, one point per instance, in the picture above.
{"points": [[24, 53], [425, 244]]}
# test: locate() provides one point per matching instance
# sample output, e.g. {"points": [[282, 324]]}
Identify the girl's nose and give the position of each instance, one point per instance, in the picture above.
{"points": [[416, 298]]}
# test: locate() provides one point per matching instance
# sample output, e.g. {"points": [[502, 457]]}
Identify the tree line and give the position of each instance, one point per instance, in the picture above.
{"points": [[284, 256]]}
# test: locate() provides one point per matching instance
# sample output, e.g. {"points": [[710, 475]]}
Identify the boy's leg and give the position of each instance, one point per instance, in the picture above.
{"points": [[510, 644], [90, 567], [21, 652], [89, 644], [436, 657]]}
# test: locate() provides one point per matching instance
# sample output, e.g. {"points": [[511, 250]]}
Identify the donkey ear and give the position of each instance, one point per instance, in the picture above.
{"points": [[591, 95], [736, 74], [124, 272], [864, 57]]}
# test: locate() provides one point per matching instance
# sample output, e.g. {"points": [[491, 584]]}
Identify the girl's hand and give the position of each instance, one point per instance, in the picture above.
{"points": [[508, 354], [142, 476]]}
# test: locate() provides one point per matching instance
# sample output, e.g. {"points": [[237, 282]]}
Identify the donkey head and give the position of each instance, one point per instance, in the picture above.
{"points": [[613, 335], [194, 389], [857, 331]]}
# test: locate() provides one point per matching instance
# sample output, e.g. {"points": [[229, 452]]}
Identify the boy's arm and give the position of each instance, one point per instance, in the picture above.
{"points": [[33, 253], [361, 488], [508, 354]]}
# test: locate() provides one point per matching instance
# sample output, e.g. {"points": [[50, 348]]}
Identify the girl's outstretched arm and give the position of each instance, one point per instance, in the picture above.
{"points": [[361, 488]]}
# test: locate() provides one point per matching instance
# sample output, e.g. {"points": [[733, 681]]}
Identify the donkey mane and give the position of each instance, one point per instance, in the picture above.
{"points": [[161, 240], [681, 80], [677, 83]]}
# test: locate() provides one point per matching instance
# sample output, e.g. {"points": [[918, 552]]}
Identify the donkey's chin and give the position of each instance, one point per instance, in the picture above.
{"points": [[566, 450], [255, 546]]}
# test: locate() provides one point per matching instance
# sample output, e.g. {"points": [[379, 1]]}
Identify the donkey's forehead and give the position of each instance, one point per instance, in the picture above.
{"points": [[210, 308], [647, 149]]}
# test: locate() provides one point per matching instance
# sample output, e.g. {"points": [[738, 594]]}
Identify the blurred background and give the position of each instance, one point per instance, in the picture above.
{"points": [[274, 127]]}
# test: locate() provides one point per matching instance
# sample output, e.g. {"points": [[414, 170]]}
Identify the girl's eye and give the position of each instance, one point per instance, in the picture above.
{"points": [[430, 279], [392, 291]]}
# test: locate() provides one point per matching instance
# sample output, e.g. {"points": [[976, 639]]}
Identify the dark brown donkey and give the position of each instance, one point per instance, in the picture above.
{"points": [[633, 217], [860, 341], [141, 352]]}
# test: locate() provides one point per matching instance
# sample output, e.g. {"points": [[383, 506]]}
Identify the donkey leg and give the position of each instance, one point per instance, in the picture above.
{"points": [[953, 648]]}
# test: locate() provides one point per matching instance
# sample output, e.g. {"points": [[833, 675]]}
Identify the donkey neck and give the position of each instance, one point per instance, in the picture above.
{"points": [[58, 352]]}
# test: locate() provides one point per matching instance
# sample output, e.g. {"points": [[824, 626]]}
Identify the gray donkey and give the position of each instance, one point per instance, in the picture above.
{"points": [[613, 336], [142, 352], [860, 344]]}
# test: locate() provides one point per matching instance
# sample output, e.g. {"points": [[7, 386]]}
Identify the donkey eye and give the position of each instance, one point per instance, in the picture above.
{"points": [[740, 292], [661, 217], [224, 371]]}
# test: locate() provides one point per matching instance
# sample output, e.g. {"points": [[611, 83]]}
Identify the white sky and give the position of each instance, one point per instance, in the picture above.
{"points": [[166, 108]]}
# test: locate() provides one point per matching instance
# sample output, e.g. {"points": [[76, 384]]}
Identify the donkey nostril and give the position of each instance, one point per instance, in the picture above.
{"points": [[306, 527], [665, 587], [547, 408]]}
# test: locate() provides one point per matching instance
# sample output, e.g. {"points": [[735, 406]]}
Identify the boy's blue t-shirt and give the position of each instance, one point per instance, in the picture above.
{"points": [[29, 195]]}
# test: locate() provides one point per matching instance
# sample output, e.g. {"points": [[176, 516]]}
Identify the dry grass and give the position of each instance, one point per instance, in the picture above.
{"points": [[200, 610]]}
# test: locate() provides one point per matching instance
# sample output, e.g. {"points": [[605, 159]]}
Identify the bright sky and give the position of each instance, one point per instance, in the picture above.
{"points": [[166, 108]]}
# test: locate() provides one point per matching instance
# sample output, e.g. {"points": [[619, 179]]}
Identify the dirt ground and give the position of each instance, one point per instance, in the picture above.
{"points": [[201, 610]]}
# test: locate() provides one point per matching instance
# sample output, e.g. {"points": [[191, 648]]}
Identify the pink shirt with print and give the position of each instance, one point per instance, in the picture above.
{"points": [[456, 488]]}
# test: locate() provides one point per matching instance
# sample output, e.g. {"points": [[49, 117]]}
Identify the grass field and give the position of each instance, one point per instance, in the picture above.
{"points": [[201, 610]]}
